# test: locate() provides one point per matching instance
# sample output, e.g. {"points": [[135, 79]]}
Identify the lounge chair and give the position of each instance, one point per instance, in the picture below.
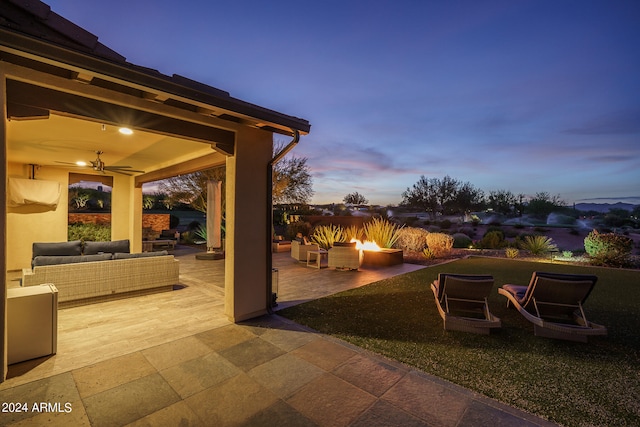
{"points": [[553, 303], [462, 302], [344, 256], [299, 250]]}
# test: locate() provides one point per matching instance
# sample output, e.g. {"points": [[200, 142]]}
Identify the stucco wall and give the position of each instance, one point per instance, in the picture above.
{"points": [[28, 224]]}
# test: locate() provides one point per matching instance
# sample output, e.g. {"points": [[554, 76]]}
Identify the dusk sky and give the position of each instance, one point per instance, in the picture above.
{"points": [[526, 96]]}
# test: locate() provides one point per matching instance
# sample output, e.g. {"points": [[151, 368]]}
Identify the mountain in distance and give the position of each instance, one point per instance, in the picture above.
{"points": [[604, 207]]}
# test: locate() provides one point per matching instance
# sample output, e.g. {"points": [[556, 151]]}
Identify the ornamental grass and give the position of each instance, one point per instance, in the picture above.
{"points": [[573, 384]]}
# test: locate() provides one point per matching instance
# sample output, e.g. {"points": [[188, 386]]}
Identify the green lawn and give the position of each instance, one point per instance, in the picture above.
{"points": [[573, 384]]}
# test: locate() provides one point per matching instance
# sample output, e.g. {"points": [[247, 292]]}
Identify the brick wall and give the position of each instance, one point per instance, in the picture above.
{"points": [[156, 222]]}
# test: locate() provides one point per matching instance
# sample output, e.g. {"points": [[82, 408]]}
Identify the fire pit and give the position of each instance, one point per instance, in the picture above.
{"points": [[375, 256], [382, 257]]}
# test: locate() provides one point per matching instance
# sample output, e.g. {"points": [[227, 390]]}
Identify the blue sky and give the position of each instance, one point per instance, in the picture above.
{"points": [[526, 96]]}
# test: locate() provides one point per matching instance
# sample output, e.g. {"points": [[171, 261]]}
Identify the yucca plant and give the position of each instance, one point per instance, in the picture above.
{"points": [[326, 235], [538, 244], [382, 231], [352, 232]]}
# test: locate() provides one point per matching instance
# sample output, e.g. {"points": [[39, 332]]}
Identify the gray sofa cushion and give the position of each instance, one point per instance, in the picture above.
{"points": [[92, 248], [119, 255], [345, 244], [57, 248], [55, 260]]}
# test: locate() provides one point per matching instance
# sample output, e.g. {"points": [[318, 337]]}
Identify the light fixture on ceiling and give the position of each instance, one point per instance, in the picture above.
{"points": [[125, 131]]}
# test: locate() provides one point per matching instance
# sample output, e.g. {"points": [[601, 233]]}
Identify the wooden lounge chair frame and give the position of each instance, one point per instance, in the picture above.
{"points": [[465, 293], [553, 302]]}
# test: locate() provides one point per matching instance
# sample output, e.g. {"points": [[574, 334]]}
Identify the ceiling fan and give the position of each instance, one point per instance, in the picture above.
{"points": [[99, 166]]}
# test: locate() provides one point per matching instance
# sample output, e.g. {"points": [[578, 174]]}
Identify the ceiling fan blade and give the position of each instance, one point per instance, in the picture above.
{"points": [[122, 169]]}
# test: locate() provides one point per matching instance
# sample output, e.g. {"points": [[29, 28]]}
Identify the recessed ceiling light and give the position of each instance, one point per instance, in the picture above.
{"points": [[125, 131], [81, 163]]}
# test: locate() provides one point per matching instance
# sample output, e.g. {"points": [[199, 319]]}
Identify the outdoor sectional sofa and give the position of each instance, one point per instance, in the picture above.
{"points": [[91, 272]]}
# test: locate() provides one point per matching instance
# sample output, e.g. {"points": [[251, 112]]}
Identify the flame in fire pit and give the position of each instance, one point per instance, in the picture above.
{"points": [[367, 245]]}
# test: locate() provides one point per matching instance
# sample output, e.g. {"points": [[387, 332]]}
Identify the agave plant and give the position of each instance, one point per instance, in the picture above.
{"points": [[201, 231], [326, 235], [382, 231], [538, 245]]}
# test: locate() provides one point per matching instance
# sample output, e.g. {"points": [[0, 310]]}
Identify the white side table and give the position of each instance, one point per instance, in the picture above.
{"points": [[316, 261]]}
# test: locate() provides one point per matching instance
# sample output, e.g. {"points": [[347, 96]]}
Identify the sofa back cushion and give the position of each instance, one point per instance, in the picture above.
{"points": [[119, 255], [92, 248], [55, 260], [57, 248], [345, 244]]}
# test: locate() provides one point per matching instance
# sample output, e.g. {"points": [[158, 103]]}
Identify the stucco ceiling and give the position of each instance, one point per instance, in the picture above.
{"points": [[60, 140]]}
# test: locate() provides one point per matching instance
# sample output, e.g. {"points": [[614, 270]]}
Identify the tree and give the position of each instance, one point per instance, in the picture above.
{"points": [[542, 204], [423, 195], [292, 181], [191, 189], [468, 199], [502, 201], [447, 196], [355, 199]]}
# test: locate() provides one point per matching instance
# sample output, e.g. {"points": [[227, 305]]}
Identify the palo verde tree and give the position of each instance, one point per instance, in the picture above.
{"points": [[191, 189], [292, 181], [542, 204], [445, 196]]}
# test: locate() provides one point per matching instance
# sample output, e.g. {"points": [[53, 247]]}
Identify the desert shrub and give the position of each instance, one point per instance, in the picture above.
{"points": [[439, 243], [428, 253], [445, 224], [298, 227], [511, 252], [494, 227], [409, 220], [412, 239], [492, 240], [567, 254], [382, 231], [326, 235], [91, 232], [471, 232], [461, 240], [608, 248], [538, 244]]}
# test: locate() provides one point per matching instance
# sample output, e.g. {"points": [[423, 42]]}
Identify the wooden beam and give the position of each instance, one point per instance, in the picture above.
{"points": [[39, 97], [201, 163]]}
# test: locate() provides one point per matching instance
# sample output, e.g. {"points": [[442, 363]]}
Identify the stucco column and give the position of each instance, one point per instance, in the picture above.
{"points": [[3, 226], [126, 211], [246, 225]]}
